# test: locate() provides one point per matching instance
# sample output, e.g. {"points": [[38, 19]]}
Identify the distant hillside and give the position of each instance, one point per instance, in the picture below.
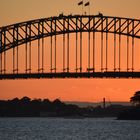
{"points": [[94, 104]]}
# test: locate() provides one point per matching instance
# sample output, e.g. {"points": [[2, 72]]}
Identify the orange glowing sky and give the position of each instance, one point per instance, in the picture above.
{"points": [[67, 89]]}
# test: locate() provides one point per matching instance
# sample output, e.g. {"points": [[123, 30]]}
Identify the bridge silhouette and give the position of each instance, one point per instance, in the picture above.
{"points": [[110, 44]]}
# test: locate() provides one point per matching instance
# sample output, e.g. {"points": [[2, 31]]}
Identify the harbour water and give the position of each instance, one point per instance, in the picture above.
{"points": [[68, 129]]}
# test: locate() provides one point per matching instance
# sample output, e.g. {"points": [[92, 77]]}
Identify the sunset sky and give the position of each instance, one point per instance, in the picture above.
{"points": [[92, 90]]}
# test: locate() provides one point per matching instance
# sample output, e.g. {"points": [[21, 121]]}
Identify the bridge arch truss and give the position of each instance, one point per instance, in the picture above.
{"points": [[13, 36]]}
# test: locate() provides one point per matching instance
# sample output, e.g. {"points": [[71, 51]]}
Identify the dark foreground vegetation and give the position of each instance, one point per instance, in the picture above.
{"points": [[25, 107], [130, 114], [134, 112]]}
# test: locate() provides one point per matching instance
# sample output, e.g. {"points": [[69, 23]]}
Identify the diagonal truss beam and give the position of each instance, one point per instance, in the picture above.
{"points": [[35, 29]]}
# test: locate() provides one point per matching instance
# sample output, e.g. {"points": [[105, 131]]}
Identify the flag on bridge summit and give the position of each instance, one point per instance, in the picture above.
{"points": [[80, 3], [87, 4]]}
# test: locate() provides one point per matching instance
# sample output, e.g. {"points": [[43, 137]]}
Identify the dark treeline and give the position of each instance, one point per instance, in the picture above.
{"points": [[25, 107]]}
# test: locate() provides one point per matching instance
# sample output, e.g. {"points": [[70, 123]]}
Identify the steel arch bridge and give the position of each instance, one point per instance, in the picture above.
{"points": [[24, 33]]}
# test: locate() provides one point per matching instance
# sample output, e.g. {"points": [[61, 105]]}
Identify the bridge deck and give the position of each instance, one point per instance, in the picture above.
{"points": [[110, 74]]}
